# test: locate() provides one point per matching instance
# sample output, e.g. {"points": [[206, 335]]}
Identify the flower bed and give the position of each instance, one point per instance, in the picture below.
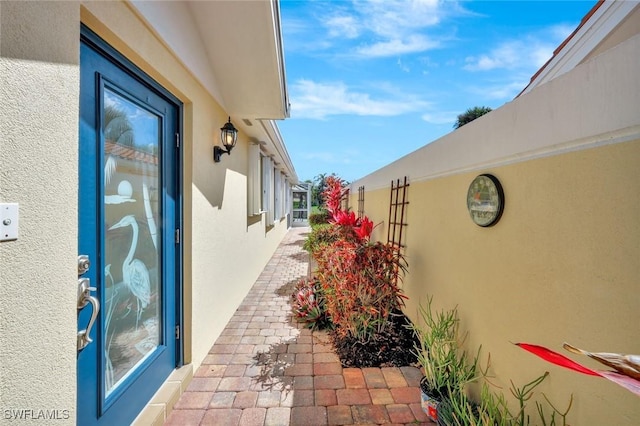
{"points": [[355, 291]]}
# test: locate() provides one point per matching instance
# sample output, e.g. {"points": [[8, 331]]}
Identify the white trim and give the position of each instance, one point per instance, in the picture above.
{"points": [[174, 25], [603, 21], [628, 135], [277, 195], [277, 31]]}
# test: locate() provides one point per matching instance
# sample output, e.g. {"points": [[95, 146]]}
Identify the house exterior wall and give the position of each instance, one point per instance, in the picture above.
{"points": [[39, 81], [562, 262], [224, 251]]}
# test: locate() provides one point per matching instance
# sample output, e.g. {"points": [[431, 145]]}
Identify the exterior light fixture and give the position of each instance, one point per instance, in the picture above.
{"points": [[228, 137]]}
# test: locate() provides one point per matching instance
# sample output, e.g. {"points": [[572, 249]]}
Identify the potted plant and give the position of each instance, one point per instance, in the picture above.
{"points": [[457, 409], [445, 365]]}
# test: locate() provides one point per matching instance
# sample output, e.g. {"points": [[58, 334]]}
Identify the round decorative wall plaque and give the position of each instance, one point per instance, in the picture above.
{"points": [[485, 200]]}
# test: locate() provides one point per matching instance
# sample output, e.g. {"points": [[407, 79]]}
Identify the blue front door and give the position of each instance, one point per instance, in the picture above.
{"points": [[129, 217]]}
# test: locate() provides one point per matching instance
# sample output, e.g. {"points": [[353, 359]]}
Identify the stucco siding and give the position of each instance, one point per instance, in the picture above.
{"points": [[562, 262], [39, 80], [224, 251]]}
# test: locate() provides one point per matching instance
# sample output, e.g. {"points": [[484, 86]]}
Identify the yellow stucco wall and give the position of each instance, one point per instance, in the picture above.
{"points": [[562, 263]]}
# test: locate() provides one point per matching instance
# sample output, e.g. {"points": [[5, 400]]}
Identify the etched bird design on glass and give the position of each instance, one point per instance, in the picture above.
{"points": [[135, 274]]}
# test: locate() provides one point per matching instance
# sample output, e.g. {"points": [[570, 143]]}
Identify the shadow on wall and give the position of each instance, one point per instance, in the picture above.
{"points": [[214, 179], [26, 32]]}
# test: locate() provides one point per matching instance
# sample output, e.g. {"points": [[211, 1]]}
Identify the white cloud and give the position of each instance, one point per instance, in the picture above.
{"points": [[561, 31], [529, 52], [392, 27], [411, 44], [310, 99], [391, 18], [403, 66], [342, 25], [507, 55], [503, 91], [440, 117]]}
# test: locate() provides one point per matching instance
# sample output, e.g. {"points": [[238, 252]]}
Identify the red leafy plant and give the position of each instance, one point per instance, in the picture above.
{"points": [[333, 193], [360, 283], [308, 304], [342, 218], [364, 228], [358, 280]]}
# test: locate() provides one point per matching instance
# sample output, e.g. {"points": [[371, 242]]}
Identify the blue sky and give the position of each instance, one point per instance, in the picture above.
{"points": [[373, 80]]}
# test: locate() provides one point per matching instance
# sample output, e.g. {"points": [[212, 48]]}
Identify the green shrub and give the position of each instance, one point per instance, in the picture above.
{"points": [[320, 218], [324, 235]]}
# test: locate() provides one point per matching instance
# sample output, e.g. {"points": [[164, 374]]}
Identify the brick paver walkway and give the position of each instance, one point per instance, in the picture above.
{"points": [[265, 369]]}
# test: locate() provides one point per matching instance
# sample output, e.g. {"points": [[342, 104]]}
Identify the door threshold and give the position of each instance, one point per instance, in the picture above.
{"points": [[156, 412]]}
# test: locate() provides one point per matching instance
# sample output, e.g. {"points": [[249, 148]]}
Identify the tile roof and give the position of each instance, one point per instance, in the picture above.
{"points": [[130, 153]]}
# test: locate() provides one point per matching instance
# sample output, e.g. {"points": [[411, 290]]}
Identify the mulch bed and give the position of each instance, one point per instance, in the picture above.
{"points": [[394, 347]]}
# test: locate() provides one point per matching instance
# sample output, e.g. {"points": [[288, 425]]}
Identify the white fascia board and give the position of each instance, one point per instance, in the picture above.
{"points": [[173, 23], [277, 31], [604, 20]]}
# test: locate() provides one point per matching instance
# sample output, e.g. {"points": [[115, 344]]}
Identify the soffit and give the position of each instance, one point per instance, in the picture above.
{"points": [[243, 45], [234, 48]]}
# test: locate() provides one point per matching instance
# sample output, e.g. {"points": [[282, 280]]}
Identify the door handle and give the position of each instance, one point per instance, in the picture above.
{"points": [[84, 299], [83, 264]]}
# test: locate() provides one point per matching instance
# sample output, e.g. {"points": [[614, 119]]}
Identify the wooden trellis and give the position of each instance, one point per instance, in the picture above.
{"points": [[397, 218], [344, 200], [360, 202]]}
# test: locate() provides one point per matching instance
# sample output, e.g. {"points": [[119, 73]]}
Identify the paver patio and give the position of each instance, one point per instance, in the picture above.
{"points": [[265, 369]]}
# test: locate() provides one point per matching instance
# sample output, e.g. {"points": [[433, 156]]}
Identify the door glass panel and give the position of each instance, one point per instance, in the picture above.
{"points": [[132, 246]]}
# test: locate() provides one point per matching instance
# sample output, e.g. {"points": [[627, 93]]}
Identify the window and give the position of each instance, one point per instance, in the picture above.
{"points": [[254, 190], [277, 194], [268, 189], [288, 203]]}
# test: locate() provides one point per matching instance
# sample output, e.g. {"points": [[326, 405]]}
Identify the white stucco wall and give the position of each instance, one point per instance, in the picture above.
{"points": [[39, 82], [228, 256]]}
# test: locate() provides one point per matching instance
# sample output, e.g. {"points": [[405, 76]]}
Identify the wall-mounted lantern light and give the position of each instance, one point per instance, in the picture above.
{"points": [[228, 137]]}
